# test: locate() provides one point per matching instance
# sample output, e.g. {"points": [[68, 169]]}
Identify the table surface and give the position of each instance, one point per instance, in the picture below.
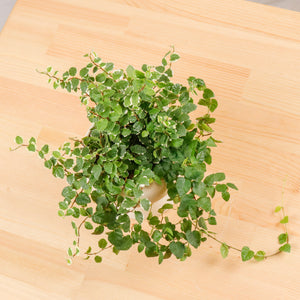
{"points": [[249, 54]]}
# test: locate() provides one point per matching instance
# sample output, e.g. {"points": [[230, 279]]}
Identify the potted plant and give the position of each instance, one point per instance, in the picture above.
{"points": [[142, 146]]}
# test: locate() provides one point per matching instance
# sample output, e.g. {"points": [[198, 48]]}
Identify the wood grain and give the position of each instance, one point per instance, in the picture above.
{"points": [[249, 54]]}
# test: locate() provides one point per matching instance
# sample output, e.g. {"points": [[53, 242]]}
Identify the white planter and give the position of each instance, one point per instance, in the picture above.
{"points": [[89, 130], [155, 193]]}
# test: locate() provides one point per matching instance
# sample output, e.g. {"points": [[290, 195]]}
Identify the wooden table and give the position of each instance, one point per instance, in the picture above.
{"points": [[249, 54]]}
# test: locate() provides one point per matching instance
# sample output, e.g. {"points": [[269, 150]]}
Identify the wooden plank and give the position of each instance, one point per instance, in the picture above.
{"points": [[249, 54]]}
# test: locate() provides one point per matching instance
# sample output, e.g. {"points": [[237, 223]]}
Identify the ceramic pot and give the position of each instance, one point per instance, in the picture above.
{"points": [[155, 193]]}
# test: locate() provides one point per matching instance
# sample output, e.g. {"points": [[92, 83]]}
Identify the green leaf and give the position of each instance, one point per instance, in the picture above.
{"points": [[60, 213], [201, 223], [165, 206], [19, 140], [70, 252], [56, 154], [282, 238], [199, 188], [45, 149], [207, 93], [116, 251], [225, 196], [182, 185], [210, 179], [188, 107], [83, 72], [174, 57], [139, 217], [48, 164], [139, 74], [96, 171], [154, 221], [102, 243], [246, 254], [160, 257], [193, 237], [145, 133], [121, 85], [278, 208], [145, 203], [205, 203], [76, 152], [232, 186], [70, 212], [101, 124], [72, 71], [177, 248], [98, 259], [141, 248], [138, 149], [213, 105], [55, 85], [83, 199], [98, 230], [144, 67], [169, 72], [130, 71], [88, 225], [128, 203], [31, 147], [109, 66], [212, 221], [219, 176], [126, 132], [68, 163], [156, 236], [284, 220], [115, 237], [83, 212], [160, 69], [68, 192], [58, 171], [193, 173], [108, 167], [210, 142], [285, 248], [177, 143], [221, 187], [224, 250], [75, 82], [126, 243], [83, 86], [63, 205], [260, 255], [101, 77]]}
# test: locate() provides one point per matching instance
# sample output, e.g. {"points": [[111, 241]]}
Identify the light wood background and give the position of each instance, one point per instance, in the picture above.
{"points": [[249, 54]]}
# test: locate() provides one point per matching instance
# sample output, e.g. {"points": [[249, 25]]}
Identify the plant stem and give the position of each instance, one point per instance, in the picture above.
{"points": [[212, 237], [94, 253], [78, 229], [283, 210], [18, 147], [102, 69]]}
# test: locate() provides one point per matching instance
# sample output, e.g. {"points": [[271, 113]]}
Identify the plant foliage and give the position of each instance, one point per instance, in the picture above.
{"points": [[142, 132]]}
